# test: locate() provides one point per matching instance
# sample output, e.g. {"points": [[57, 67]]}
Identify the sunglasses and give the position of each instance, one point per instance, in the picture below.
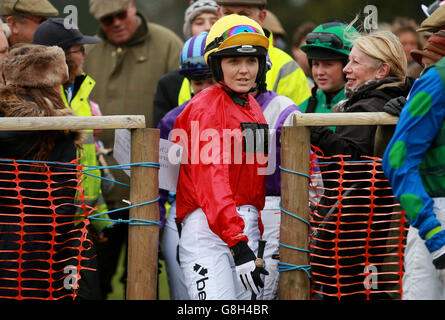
{"points": [[109, 19], [323, 37]]}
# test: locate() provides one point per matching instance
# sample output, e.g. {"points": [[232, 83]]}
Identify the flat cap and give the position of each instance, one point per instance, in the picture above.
{"points": [[102, 8], [435, 22], [40, 8], [242, 2]]}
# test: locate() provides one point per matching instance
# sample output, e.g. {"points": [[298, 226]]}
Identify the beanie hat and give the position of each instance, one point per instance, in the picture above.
{"points": [[434, 49], [35, 66], [194, 10]]}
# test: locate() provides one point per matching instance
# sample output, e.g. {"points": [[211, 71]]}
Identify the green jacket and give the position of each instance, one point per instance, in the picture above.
{"points": [[127, 79], [322, 105]]}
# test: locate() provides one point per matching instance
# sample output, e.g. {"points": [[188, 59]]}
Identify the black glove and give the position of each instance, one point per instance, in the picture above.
{"points": [[316, 133], [439, 263], [395, 106], [248, 267]]}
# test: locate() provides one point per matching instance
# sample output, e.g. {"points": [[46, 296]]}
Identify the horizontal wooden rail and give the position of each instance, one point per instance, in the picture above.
{"points": [[344, 119], [72, 123]]}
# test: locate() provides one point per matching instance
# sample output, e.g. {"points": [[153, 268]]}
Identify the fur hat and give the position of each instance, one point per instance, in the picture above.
{"points": [[31, 65]]}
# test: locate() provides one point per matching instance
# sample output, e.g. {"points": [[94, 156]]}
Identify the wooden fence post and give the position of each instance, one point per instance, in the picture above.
{"points": [[295, 156], [143, 241]]}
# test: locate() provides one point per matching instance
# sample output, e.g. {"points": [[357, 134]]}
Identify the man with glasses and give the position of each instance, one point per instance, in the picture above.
{"points": [[127, 65], [24, 16]]}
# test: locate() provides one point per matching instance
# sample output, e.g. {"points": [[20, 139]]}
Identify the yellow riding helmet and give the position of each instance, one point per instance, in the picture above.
{"points": [[232, 31]]}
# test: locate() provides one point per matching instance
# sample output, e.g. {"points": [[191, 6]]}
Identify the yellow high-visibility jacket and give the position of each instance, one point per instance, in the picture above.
{"points": [[92, 186]]}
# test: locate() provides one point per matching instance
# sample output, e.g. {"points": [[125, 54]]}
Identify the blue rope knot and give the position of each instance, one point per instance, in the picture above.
{"points": [[284, 267]]}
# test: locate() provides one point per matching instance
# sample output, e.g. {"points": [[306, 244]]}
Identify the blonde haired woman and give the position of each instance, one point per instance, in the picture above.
{"points": [[375, 73]]}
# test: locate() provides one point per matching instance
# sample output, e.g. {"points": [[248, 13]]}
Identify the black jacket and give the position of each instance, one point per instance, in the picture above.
{"points": [[357, 141], [167, 93], [38, 233]]}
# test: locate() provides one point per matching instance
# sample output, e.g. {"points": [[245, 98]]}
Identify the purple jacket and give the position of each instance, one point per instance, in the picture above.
{"points": [[278, 112]]}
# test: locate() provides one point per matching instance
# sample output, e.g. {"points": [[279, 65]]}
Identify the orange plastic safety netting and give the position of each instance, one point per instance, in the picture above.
{"points": [[43, 241], [358, 231]]}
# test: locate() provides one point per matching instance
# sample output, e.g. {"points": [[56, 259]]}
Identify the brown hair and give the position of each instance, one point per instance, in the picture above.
{"points": [[72, 66]]}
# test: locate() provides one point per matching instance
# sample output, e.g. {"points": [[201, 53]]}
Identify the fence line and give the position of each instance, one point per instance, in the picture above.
{"points": [[296, 150]]}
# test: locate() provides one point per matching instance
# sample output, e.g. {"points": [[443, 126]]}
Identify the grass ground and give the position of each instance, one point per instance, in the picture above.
{"points": [[118, 287]]}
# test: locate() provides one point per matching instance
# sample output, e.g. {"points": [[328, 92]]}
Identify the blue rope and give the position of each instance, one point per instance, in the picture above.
{"points": [[294, 248], [133, 222], [294, 172], [106, 179], [123, 166], [118, 167], [284, 267], [39, 162], [294, 216]]}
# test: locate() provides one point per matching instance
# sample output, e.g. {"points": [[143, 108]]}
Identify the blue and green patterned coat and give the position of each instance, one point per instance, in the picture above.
{"points": [[414, 161]]}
